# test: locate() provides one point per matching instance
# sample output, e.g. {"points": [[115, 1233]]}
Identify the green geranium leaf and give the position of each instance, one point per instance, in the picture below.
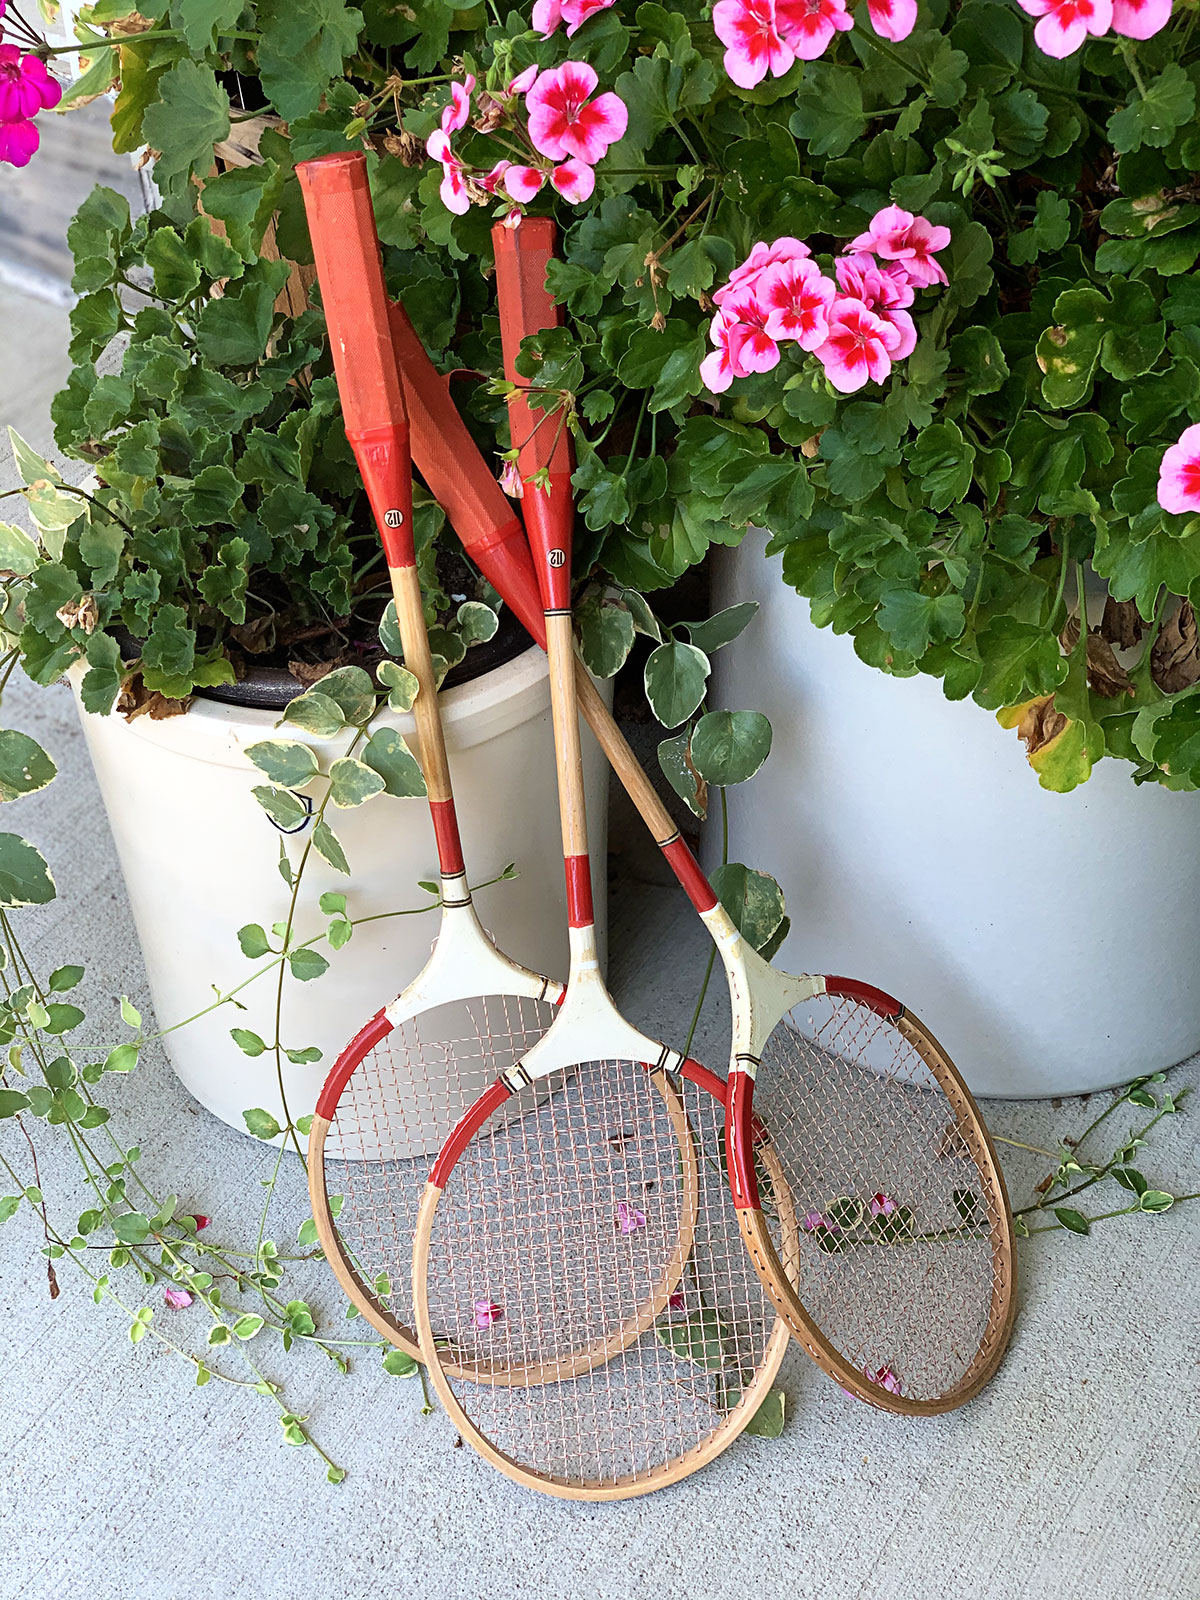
{"points": [[1152, 118], [190, 116], [1122, 330]]}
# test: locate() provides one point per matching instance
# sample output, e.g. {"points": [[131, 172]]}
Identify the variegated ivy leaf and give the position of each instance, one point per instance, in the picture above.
{"points": [[30, 465], [285, 762], [478, 622], [284, 810], [351, 782], [398, 769], [24, 765], [400, 684], [18, 552], [351, 690], [316, 713]]}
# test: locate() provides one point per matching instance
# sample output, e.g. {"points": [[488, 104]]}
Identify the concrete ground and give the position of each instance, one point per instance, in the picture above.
{"points": [[1074, 1475]]}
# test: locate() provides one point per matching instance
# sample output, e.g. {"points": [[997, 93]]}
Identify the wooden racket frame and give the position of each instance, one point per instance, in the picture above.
{"points": [[682, 1466]]}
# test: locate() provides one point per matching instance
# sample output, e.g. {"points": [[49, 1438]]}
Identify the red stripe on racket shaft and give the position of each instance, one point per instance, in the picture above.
{"points": [[367, 1037], [446, 838], [542, 438], [740, 1134], [867, 994], [385, 467], [580, 912], [465, 1129], [458, 477]]}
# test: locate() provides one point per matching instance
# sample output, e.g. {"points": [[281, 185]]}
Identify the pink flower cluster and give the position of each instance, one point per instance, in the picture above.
{"points": [[567, 129], [1064, 25], [762, 36], [1179, 475], [26, 88], [856, 327]]}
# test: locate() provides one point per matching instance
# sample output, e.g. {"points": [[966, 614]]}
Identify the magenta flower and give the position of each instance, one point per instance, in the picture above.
{"points": [[757, 351], [882, 1205], [177, 1299], [563, 121], [1140, 19], [884, 1377], [26, 86], [796, 297], [881, 285], [814, 1221], [629, 1218], [807, 26], [18, 142], [1065, 24], [1179, 475], [897, 235], [574, 180], [756, 263], [753, 47], [487, 1313], [458, 111], [547, 14], [490, 182], [894, 19], [859, 348]]}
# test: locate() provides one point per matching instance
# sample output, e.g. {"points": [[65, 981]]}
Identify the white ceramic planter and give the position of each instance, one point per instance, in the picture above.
{"points": [[199, 858], [1048, 940]]}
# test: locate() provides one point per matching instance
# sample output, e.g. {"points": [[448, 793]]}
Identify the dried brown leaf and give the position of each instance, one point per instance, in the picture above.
{"points": [[1121, 623], [1175, 654]]}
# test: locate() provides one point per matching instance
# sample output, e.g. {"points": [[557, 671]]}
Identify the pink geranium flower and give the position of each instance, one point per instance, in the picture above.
{"points": [[548, 14], [574, 180], [807, 26], [454, 184], [1065, 24], [487, 1313], [511, 481], [1140, 19], [796, 297], [717, 370], [629, 1218], [752, 43], [884, 1377], [523, 82], [457, 112], [26, 86], [876, 283], [859, 348], [177, 1299], [18, 142], [893, 19], [756, 350], [564, 121], [1179, 475], [490, 182], [757, 262], [523, 183], [896, 235]]}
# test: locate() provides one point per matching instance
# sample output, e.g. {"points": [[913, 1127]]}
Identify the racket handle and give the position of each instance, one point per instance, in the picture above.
{"points": [[459, 479], [341, 222], [542, 438]]}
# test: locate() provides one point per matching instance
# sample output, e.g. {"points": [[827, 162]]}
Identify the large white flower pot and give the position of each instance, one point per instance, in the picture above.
{"points": [[200, 858], [1050, 941]]}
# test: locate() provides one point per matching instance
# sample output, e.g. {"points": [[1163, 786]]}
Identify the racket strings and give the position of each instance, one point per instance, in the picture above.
{"points": [[591, 1248], [898, 1261], [392, 1117]]}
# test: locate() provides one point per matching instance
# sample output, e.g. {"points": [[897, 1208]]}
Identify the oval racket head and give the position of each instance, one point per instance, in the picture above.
{"points": [[899, 1280], [590, 1249], [386, 1108]]}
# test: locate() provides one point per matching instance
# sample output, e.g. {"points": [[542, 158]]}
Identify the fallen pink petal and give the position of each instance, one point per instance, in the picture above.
{"points": [[884, 1377], [487, 1313], [177, 1299], [629, 1218], [882, 1205]]}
